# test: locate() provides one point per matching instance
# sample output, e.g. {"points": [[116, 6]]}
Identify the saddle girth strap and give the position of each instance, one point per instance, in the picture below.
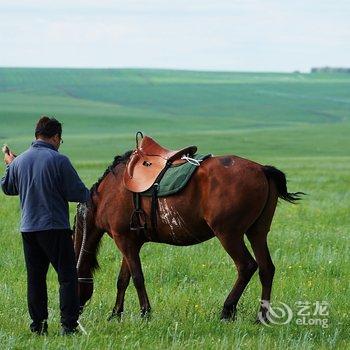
{"points": [[138, 217]]}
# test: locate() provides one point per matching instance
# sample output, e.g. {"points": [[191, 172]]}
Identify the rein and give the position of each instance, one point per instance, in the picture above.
{"points": [[82, 209]]}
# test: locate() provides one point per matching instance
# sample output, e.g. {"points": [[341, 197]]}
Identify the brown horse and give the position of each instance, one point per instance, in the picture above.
{"points": [[226, 197]]}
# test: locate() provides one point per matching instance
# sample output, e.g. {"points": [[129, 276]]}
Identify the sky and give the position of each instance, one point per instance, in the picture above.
{"points": [[234, 35]]}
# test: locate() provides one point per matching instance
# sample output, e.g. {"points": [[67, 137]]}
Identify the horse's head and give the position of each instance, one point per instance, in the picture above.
{"points": [[86, 242], [87, 235]]}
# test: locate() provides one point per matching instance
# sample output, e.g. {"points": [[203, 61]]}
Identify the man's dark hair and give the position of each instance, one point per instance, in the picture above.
{"points": [[48, 127]]}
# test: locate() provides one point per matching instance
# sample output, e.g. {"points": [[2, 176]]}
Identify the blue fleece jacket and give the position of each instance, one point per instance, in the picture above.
{"points": [[45, 181]]}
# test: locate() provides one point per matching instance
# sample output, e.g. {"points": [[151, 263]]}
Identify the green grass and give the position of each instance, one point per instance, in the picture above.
{"points": [[297, 122]]}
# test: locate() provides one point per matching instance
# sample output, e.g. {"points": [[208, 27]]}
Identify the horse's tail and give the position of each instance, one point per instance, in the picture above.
{"points": [[279, 179]]}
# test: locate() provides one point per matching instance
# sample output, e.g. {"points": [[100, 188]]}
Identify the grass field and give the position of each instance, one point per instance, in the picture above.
{"points": [[299, 123]]}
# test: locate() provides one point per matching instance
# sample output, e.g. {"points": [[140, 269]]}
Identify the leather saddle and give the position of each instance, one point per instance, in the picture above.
{"points": [[148, 161]]}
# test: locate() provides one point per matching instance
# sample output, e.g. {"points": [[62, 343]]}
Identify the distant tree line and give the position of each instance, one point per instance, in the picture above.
{"points": [[330, 70]]}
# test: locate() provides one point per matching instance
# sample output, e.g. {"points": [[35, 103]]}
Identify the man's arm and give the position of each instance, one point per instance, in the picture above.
{"points": [[73, 188], [8, 182]]}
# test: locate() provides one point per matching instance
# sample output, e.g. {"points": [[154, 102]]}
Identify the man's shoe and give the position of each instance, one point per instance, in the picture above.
{"points": [[40, 328], [69, 331]]}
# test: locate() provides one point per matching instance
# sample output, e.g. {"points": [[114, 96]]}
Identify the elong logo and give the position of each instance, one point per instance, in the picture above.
{"points": [[308, 314]]}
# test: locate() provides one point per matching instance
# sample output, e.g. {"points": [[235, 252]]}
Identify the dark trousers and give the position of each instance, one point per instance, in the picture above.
{"points": [[40, 249]]}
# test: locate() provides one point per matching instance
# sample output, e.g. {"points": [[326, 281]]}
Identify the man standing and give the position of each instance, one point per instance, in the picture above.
{"points": [[46, 181]]}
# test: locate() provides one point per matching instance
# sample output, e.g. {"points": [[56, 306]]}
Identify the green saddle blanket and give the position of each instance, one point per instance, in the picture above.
{"points": [[176, 178]]}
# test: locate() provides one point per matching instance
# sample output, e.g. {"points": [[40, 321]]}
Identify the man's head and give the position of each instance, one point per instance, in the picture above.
{"points": [[49, 130]]}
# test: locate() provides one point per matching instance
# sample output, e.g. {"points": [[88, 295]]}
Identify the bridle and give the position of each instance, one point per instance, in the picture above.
{"points": [[82, 210]]}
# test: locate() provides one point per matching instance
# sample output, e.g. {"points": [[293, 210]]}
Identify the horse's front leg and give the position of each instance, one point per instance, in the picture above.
{"points": [[130, 250], [122, 285]]}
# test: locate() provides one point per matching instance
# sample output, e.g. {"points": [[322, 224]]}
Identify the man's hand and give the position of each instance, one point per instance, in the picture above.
{"points": [[9, 156]]}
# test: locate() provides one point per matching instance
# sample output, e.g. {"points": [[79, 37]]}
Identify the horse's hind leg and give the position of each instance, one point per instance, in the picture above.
{"points": [[266, 270], [122, 285], [246, 266], [257, 235]]}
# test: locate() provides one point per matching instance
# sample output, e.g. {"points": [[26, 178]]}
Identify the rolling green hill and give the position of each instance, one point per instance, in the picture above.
{"points": [[253, 113], [298, 122]]}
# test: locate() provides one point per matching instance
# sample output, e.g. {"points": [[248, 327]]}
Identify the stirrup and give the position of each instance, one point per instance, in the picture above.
{"points": [[137, 217]]}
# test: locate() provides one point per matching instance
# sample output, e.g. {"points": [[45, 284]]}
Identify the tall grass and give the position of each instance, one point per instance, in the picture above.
{"points": [[299, 123]]}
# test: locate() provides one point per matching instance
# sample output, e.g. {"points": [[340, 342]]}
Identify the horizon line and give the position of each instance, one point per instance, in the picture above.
{"points": [[162, 69]]}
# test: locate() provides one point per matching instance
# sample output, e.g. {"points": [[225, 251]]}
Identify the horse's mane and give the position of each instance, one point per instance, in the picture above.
{"points": [[117, 160]]}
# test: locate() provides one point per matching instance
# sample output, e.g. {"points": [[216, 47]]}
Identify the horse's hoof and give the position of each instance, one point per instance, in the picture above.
{"points": [[115, 316], [262, 319], [228, 315], [257, 321], [146, 315], [227, 319]]}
